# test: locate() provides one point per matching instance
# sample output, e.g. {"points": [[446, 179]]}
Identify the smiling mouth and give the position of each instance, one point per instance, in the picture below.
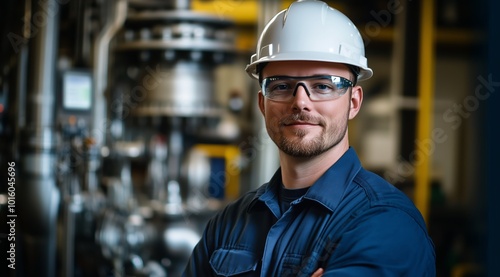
{"points": [[294, 123], [300, 120]]}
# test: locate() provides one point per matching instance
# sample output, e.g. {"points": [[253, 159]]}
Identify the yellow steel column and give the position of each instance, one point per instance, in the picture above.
{"points": [[425, 111]]}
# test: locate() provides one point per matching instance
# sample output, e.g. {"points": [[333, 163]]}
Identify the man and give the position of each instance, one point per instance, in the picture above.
{"points": [[321, 213]]}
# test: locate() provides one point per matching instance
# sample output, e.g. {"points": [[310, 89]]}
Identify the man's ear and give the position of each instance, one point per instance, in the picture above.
{"points": [[261, 103], [356, 100]]}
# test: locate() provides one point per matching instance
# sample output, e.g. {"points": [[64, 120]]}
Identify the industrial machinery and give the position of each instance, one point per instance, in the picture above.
{"points": [[123, 151]]}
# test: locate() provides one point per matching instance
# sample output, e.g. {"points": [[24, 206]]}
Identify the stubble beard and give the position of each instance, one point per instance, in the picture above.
{"points": [[299, 147]]}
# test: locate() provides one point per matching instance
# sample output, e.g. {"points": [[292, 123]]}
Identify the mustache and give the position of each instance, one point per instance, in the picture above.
{"points": [[301, 117]]}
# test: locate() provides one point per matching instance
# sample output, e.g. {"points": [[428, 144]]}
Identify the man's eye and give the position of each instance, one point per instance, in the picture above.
{"points": [[279, 87], [323, 87]]}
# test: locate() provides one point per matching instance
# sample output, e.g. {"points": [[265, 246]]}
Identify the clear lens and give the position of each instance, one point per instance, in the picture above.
{"points": [[319, 88]]}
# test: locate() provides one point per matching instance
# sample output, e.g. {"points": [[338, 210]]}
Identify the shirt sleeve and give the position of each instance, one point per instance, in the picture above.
{"points": [[384, 241]]}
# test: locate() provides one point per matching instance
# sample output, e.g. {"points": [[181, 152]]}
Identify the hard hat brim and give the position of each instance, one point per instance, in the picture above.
{"points": [[364, 73]]}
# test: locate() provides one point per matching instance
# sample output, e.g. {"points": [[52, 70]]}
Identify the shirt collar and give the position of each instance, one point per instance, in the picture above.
{"points": [[328, 190], [268, 194]]}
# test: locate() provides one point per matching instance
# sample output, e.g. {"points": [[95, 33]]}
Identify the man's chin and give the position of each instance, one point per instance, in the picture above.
{"points": [[300, 149]]}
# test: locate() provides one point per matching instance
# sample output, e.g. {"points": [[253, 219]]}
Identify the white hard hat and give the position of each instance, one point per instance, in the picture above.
{"points": [[310, 30]]}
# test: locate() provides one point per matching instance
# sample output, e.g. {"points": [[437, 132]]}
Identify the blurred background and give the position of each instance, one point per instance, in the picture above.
{"points": [[129, 123]]}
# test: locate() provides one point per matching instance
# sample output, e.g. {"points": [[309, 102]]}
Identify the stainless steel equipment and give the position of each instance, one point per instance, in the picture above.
{"points": [[162, 103], [107, 134]]}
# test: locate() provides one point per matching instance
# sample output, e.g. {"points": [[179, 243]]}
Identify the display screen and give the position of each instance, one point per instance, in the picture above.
{"points": [[77, 91]]}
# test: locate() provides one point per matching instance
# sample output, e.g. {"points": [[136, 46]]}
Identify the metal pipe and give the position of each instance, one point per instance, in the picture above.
{"points": [[101, 59], [42, 64], [174, 159], [425, 111], [39, 193], [69, 214]]}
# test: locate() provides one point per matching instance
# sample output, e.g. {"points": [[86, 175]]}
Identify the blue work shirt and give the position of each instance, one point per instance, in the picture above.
{"points": [[350, 222]]}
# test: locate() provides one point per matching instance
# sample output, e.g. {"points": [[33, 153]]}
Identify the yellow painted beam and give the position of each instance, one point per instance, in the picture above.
{"points": [[243, 12], [426, 106]]}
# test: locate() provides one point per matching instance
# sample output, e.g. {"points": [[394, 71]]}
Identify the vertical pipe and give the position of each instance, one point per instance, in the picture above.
{"points": [[68, 257], [425, 111], [42, 64], [101, 59], [397, 84], [38, 192], [174, 160]]}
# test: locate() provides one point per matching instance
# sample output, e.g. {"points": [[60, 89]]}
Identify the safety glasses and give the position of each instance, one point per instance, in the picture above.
{"points": [[318, 88]]}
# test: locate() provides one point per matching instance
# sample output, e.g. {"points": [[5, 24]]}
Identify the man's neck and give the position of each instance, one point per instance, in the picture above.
{"points": [[303, 172]]}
